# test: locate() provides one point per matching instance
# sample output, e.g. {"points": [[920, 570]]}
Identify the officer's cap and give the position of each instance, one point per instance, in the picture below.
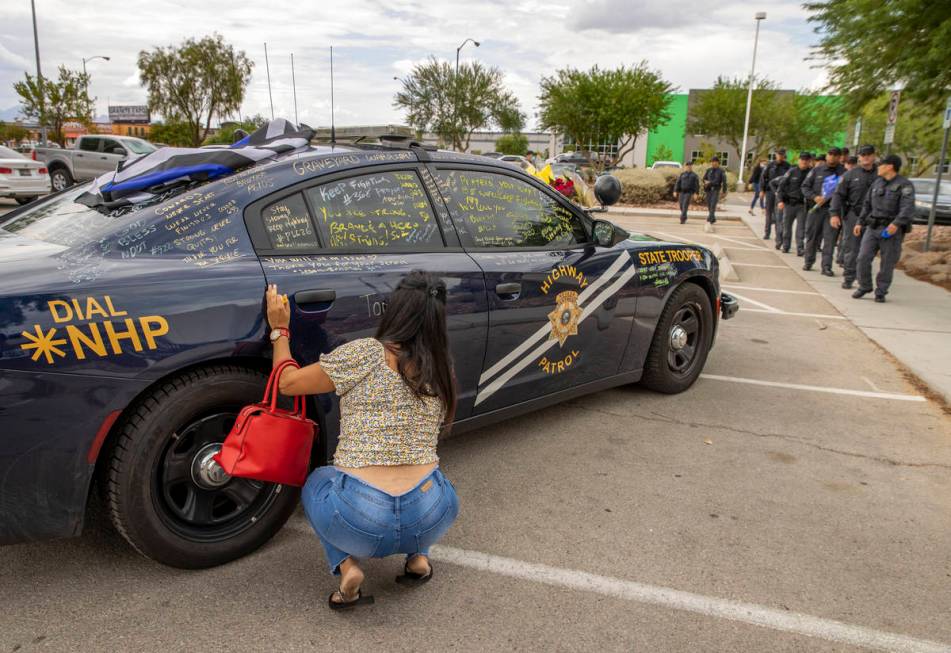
{"points": [[688, 163], [853, 160], [834, 151], [865, 150], [782, 151], [893, 160], [805, 156], [714, 158]]}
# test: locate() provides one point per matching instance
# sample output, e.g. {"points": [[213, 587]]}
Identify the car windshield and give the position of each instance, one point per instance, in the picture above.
{"points": [[59, 220], [7, 153], [139, 146], [926, 187]]}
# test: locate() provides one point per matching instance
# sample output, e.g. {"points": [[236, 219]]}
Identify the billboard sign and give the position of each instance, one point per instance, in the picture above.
{"points": [[133, 113]]}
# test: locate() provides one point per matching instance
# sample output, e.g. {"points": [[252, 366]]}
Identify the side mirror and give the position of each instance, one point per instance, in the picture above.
{"points": [[603, 233], [607, 190]]}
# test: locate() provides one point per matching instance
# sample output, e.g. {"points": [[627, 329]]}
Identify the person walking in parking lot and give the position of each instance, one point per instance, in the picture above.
{"points": [[384, 493], [755, 177], [818, 188], [790, 202], [887, 214], [846, 204], [773, 171], [686, 186], [714, 182]]}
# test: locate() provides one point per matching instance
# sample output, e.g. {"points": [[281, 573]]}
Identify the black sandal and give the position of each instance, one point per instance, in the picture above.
{"points": [[352, 603], [412, 579]]}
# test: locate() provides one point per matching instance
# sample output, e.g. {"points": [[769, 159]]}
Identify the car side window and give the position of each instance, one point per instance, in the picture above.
{"points": [[108, 144], [89, 144], [501, 211], [384, 211], [288, 225]]}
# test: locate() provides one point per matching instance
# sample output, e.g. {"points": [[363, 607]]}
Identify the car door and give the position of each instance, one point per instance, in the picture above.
{"points": [[339, 245], [110, 154], [560, 307], [85, 157]]}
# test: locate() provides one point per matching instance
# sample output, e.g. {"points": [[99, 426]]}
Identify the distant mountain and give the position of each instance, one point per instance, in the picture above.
{"points": [[10, 114]]}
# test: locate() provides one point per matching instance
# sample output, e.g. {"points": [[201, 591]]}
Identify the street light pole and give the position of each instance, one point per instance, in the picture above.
{"points": [[476, 43], [86, 79], [39, 78], [760, 15]]}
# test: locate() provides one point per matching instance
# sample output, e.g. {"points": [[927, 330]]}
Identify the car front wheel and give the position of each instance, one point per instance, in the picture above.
{"points": [[681, 341], [24, 200], [166, 495]]}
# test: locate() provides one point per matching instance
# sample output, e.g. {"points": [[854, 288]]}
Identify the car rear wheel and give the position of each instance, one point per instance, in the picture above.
{"points": [[166, 495], [24, 200], [60, 179], [681, 341]]}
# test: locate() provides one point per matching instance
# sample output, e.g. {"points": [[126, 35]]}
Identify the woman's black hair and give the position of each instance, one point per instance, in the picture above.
{"points": [[415, 322]]}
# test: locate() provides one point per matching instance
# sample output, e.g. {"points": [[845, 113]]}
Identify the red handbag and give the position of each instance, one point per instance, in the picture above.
{"points": [[268, 443]]}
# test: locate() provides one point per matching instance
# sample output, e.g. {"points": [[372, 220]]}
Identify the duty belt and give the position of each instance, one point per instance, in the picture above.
{"points": [[880, 222]]}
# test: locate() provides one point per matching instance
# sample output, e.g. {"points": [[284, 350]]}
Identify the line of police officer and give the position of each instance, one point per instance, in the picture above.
{"points": [[866, 211]]}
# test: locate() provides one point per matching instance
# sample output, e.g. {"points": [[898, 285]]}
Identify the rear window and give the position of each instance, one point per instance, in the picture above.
{"points": [[7, 153], [59, 220]]}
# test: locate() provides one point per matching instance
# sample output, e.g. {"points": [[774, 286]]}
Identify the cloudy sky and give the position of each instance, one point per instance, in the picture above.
{"points": [[689, 41]]}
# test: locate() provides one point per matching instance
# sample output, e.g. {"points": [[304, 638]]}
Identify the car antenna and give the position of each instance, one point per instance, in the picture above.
{"points": [[333, 131]]}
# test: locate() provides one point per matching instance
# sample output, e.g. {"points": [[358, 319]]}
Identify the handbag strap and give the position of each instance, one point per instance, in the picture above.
{"points": [[271, 393]]}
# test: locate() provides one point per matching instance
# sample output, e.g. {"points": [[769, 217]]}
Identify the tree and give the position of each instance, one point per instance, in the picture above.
{"points": [[663, 153], [918, 133], [604, 106], [868, 47], [512, 144], [809, 121], [453, 105], [13, 132], [225, 135], [195, 81], [721, 112], [174, 133], [54, 103]]}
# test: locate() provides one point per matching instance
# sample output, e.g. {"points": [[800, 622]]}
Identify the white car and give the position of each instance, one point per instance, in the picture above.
{"points": [[665, 164], [21, 178]]}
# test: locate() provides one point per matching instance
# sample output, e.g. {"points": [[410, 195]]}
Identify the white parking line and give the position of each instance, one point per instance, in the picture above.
{"points": [[790, 292], [760, 265], [825, 316], [680, 239], [734, 240], [815, 388], [757, 615], [766, 307]]}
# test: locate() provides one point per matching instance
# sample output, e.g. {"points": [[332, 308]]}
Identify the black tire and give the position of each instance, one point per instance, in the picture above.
{"points": [[154, 491], [60, 179], [669, 369], [24, 200]]}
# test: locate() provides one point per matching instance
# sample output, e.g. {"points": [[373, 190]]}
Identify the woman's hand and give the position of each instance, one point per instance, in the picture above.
{"points": [[278, 308]]}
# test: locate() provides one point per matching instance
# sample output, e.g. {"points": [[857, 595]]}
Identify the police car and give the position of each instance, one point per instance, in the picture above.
{"points": [[132, 325]]}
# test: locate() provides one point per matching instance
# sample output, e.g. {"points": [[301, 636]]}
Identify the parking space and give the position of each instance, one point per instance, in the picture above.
{"points": [[798, 497]]}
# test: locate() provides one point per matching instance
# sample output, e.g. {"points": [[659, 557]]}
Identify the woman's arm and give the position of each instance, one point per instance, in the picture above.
{"points": [[307, 380]]}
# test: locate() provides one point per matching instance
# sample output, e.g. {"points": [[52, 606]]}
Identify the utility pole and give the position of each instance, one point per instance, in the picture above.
{"points": [[39, 78], [333, 129], [760, 16], [294, 85], [267, 68], [937, 181], [474, 42]]}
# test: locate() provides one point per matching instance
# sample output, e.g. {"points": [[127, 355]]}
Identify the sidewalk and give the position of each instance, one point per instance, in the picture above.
{"points": [[914, 325]]}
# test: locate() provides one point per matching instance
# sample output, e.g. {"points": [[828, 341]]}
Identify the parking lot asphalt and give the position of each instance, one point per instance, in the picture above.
{"points": [[797, 498]]}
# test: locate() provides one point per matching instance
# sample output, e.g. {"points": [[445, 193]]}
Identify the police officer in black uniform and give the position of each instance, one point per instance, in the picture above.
{"points": [[686, 186], [846, 205], [714, 182], [774, 170], [790, 202], [818, 225], [887, 214]]}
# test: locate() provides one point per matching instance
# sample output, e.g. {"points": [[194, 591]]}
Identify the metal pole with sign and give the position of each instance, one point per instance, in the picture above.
{"points": [[937, 183], [39, 78], [892, 118], [740, 186], [858, 132]]}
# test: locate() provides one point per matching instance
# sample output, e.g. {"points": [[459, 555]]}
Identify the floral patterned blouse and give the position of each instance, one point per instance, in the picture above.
{"points": [[381, 421]]}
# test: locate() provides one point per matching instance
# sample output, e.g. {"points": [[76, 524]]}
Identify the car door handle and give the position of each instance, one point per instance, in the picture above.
{"points": [[508, 290], [322, 296], [104, 158]]}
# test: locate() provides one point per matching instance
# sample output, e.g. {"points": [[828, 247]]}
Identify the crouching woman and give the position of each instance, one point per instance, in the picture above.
{"points": [[384, 493]]}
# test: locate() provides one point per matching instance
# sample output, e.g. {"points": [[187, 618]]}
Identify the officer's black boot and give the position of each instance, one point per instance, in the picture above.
{"points": [[847, 284], [827, 272], [880, 299], [859, 294]]}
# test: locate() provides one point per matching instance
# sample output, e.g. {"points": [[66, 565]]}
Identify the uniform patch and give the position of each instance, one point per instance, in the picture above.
{"points": [[906, 190]]}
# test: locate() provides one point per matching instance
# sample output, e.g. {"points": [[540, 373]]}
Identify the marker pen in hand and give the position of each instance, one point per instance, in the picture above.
{"points": [[885, 233]]}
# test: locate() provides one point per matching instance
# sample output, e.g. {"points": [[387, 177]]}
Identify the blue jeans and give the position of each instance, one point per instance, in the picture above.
{"points": [[757, 196], [353, 518]]}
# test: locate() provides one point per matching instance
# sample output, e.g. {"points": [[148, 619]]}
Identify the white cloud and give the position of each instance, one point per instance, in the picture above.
{"points": [[689, 43]]}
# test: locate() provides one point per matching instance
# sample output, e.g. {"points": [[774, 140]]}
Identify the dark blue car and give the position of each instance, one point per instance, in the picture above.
{"points": [[129, 339]]}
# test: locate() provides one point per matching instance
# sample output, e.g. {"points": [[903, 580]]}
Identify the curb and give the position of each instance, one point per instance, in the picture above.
{"points": [[727, 271], [646, 212]]}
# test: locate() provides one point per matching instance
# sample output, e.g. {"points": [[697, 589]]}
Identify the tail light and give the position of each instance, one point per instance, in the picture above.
{"points": [[33, 154], [6, 171], [42, 171]]}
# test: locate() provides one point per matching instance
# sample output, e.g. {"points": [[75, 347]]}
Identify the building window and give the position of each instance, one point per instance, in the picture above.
{"points": [[695, 154], [912, 162], [944, 168], [724, 158], [604, 150]]}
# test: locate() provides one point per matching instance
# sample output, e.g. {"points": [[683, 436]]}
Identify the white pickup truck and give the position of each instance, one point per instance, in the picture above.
{"points": [[90, 157]]}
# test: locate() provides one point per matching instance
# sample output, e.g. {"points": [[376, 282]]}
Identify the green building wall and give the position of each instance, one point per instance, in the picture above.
{"points": [[672, 134]]}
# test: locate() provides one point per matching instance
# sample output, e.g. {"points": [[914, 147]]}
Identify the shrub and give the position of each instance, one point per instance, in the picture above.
{"points": [[641, 186], [514, 143]]}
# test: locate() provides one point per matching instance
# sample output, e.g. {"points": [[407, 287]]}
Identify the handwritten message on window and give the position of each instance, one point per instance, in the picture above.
{"points": [[288, 224], [502, 211], [388, 210]]}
